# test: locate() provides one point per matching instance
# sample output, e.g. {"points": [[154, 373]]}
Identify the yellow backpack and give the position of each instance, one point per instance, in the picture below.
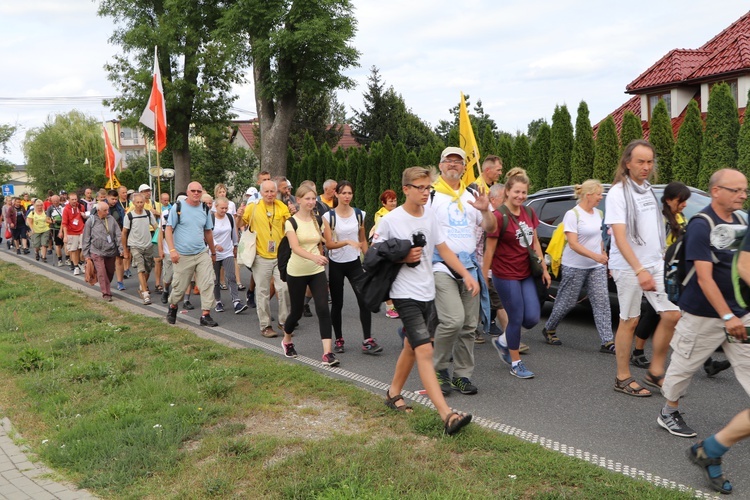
{"points": [[557, 244]]}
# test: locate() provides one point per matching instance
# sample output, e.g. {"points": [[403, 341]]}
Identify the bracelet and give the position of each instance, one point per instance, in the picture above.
{"points": [[639, 271], [172, 250]]}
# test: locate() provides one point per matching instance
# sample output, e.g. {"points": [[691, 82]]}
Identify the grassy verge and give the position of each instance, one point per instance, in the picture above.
{"points": [[129, 407]]}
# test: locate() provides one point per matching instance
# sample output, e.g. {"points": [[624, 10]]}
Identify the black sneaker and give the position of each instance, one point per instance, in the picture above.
{"points": [[172, 315], [306, 312], [207, 320], [37, 256], [445, 382], [164, 297], [371, 346], [338, 346], [330, 360], [219, 307], [289, 350], [464, 386], [714, 367], [187, 305], [674, 423], [640, 361], [251, 299], [239, 307]]}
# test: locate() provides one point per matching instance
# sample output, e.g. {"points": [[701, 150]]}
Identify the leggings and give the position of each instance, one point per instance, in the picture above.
{"points": [[228, 265], [573, 281], [521, 301], [336, 273], [648, 322], [319, 288]]}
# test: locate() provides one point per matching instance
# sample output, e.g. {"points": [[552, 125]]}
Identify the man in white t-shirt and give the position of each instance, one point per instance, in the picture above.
{"points": [[636, 261], [460, 213], [413, 291]]}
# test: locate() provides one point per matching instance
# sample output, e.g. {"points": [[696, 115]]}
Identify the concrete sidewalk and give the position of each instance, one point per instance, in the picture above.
{"points": [[21, 479]]}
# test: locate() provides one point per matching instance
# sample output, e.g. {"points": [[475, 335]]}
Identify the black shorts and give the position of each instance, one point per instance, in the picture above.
{"points": [[419, 319], [58, 241]]}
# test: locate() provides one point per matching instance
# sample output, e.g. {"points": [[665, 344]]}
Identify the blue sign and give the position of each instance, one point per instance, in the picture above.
{"points": [[8, 190]]}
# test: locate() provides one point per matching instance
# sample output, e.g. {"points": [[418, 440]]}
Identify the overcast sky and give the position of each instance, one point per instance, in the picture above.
{"points": [[521, 58]]}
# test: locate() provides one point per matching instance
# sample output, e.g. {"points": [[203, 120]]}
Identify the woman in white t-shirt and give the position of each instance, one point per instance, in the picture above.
{"points": [[584, 263], [225, 243], [306, 268], [344, 231]]}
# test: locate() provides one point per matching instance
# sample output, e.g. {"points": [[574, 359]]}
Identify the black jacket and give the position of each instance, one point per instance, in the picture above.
{"points": [[381, 265]]}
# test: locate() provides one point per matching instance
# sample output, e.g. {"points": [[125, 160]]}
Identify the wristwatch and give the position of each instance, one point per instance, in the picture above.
{"points": [[727, 317]]}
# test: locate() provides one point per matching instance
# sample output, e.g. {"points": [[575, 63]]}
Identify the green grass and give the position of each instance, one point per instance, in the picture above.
{"points": [[128, 407]]}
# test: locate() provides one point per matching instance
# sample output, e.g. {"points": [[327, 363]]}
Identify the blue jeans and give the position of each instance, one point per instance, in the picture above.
{"points": [[521, 302]]}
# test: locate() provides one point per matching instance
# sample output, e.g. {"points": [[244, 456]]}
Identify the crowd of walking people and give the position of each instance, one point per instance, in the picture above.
{"points": [[455, 263]]}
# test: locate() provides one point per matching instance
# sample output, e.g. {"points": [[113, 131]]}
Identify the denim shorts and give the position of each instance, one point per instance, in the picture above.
{"points": [[419, 319]]}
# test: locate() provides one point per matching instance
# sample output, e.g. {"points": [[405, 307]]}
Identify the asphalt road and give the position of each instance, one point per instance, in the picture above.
{"points": [[570, 405]]}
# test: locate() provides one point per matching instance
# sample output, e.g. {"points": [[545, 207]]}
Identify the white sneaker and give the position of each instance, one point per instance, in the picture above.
{"points": [[146, 298], [76, 271]]}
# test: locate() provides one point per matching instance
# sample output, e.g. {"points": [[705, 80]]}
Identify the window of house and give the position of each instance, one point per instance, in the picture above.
{"points": [[653, 100], [732, 87], [129, 133]]}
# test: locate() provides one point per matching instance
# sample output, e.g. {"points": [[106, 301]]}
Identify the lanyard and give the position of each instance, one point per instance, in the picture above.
{"points": [[271, 216]]}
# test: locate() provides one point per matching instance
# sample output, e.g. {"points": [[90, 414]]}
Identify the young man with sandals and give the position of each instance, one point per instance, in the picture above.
{"points": [[413, 291], [636, 262]]}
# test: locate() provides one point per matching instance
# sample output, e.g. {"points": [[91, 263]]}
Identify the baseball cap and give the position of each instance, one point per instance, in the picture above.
{"points": [[450, 150], [63, 192], [144, 187], [131, 191]]}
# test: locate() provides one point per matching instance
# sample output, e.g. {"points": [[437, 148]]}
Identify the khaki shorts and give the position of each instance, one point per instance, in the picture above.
{"points": [[142, 259], [630, 293], [74, 242], [39, 239]]}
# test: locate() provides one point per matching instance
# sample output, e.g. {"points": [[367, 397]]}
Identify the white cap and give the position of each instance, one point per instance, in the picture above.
{"points": [[144, 187], [453, 151], [251, 191]]}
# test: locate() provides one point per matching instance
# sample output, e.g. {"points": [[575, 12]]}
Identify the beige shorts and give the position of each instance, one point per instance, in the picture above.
{"points": [[142, 259], [630, 293], [74, 242]]}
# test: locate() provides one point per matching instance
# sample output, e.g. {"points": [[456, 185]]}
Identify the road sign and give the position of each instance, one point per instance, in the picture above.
{"points": [[8, 190]]}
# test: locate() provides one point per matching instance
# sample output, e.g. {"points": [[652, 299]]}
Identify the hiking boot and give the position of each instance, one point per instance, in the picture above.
{"points": [[251, 299], [391, 313], [370, 346], [146, 298], [521, 371], [338, 346], [697, 455], [121, 287], [445, 381], [306, 312], [551, 337], [330, 360], [207, 320], [464, 386], [187, 305], [164, 297], [502, 350], [478, 337], [640, 361], [269, 332], [172, 314], [288, 349], [239, 307], [219, 307], [675, 424], [714, 367]]}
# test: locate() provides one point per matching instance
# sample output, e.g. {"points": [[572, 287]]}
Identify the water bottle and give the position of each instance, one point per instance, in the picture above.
{"points": [[671, 284]]}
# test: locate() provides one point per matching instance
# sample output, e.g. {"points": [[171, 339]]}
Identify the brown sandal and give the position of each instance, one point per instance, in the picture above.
{"points": [[654, 380], [624, 387], [390, 402]]}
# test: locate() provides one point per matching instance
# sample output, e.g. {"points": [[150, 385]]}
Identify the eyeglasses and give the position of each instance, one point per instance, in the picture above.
{"points": [[735, 191], [421, 189], [453, 162]]}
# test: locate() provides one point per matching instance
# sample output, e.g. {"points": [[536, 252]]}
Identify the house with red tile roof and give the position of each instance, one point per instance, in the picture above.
{"points": [[243, 135], [686, 74]]}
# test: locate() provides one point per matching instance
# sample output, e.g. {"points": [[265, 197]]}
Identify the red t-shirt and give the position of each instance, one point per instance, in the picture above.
{"points": [[72, 220], [511, 258]]}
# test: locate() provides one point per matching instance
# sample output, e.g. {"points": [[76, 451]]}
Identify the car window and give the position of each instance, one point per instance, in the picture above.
{"points": [[553, 211]]}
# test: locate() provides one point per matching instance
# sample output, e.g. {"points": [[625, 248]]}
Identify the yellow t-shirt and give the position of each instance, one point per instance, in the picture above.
{"points": [[681, 221], [38, 222], [481, 184], [380, 213], [329, 203], [308, 234], [267, 224]]}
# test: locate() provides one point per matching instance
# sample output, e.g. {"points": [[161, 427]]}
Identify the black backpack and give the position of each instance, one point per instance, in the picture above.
{"points": [[284, 252], [676, 276]]}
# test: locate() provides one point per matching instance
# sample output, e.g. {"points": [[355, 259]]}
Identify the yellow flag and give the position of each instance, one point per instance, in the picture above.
{"points": [[467, 142]]}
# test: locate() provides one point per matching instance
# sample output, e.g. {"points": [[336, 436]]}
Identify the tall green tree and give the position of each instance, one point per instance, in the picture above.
{"points": [[67, 152], [687, 150], [372, 183], [632, 128], [487, 142], [743, 146], [662, 139], [532, 130], [295, 47], [540, 157], [521, 153], [326, 166], [561, 148], [7, 132], [582, 163], [387, 165], [505, 149], [316, 115], [402, 160], [719, 148], [198, 67], [607, 152]]}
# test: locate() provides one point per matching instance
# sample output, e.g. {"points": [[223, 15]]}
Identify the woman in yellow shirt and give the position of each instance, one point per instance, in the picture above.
{"points": [[306, 267], [39, 223]]}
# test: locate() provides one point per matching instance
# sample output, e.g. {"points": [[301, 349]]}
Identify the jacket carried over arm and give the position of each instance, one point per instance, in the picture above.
{"points": [[382, 264]]}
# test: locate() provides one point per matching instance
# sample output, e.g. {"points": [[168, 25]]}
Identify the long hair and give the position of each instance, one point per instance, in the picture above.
{"points": [[515, 175], [339, 186], [627, 154], [673, 191]]}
